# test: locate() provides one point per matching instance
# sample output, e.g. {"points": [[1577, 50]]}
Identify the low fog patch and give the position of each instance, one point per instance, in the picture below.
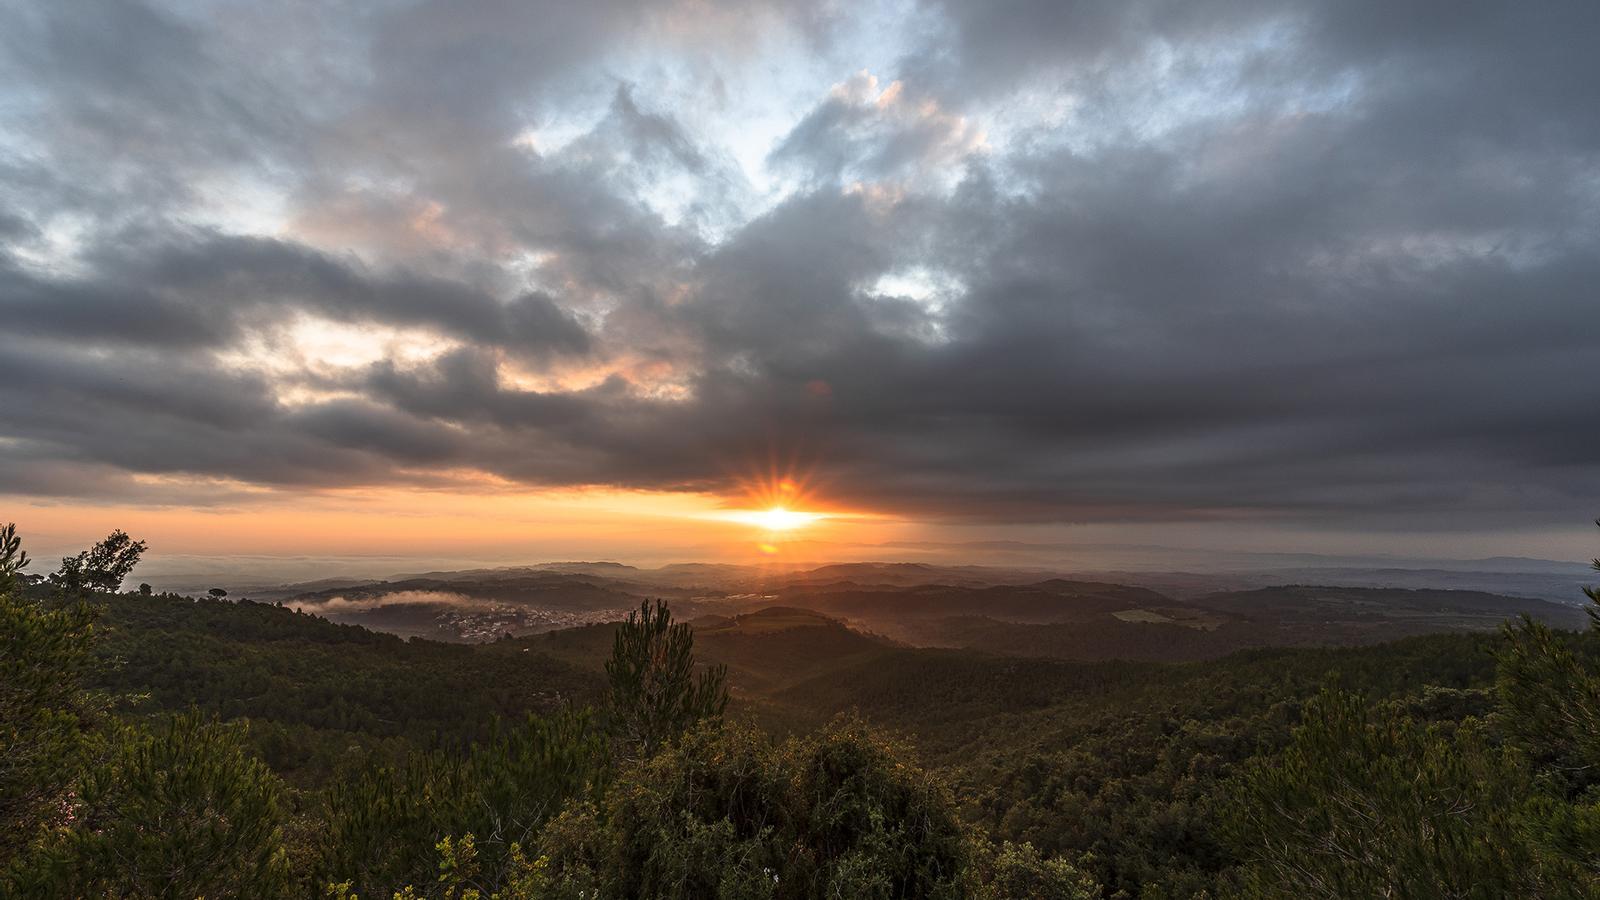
{"points": [[342, 603]]}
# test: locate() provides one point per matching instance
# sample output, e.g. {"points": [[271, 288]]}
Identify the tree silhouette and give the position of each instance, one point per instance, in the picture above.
{"points": [[99, 569], [12, 558]]}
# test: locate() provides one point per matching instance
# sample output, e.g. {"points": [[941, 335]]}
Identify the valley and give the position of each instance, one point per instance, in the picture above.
{"points": [[1015, 612]]}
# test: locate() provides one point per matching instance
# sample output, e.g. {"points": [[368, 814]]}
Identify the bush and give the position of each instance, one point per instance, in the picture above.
{"points": [[727, 813], [182, 812], [1018, 872], [383, 823], [44, 710], [1367, 803]]}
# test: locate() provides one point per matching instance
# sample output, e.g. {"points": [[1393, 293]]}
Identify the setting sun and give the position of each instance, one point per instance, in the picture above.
{"points": [[779, 519], [776, 518]]}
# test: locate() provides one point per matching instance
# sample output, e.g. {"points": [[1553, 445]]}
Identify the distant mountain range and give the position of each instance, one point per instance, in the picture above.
{"points": [[1168, 616], [1180, 571]]}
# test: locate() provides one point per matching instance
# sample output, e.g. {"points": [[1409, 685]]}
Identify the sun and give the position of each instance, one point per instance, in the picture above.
{"points": [[779, 504], [773, 519], [778, 518]]}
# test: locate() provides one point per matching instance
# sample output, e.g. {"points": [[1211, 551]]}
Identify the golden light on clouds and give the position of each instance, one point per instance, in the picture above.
{"points": [[307, 350]]}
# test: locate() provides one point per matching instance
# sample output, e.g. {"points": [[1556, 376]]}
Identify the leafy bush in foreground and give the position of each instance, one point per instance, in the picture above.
{"points": [[179, 812], [728, 813]]}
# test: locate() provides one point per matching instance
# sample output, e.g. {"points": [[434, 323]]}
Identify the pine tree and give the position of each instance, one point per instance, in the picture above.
{"points": [[653, 693], [13, 559], [44, 709], [1549, 691], [384, 822], [180, 812], [1367, 803]]}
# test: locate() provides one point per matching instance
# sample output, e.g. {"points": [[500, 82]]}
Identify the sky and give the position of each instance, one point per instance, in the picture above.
{"points": [[524, 279]]}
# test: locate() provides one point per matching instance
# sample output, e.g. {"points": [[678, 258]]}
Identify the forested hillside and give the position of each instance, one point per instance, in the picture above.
{"points": [[664, 759], [312, 689]]}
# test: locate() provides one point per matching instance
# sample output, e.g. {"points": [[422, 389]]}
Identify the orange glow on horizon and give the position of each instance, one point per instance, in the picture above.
{"points": [[485, 524], [765, 517]]}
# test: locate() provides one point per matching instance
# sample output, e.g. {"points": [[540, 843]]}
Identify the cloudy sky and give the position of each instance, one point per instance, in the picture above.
{"points": [[524, 277]]}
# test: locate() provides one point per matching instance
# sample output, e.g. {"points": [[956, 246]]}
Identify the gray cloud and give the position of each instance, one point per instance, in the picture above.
{"points": [[1230, 260], [198, 289]]}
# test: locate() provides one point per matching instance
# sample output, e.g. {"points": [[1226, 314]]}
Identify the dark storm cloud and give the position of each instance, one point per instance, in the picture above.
{"points": [[1216, 260], [194, 290]]}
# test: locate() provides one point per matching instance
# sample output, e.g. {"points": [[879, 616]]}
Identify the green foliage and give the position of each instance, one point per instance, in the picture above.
{"points": [[1593, 593], [1549, 693], [1549, 690], [178, 813], [1469, 770], [1124, 767], [318, 695], [43, 707], [1366, 802], [13, 558], [460, 877], [653, 693], [100, 569], [1019, 872], [383, 822], [728, 813]]}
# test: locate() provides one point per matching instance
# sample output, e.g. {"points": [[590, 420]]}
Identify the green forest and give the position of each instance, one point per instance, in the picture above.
{"points": [[154, 745]]}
